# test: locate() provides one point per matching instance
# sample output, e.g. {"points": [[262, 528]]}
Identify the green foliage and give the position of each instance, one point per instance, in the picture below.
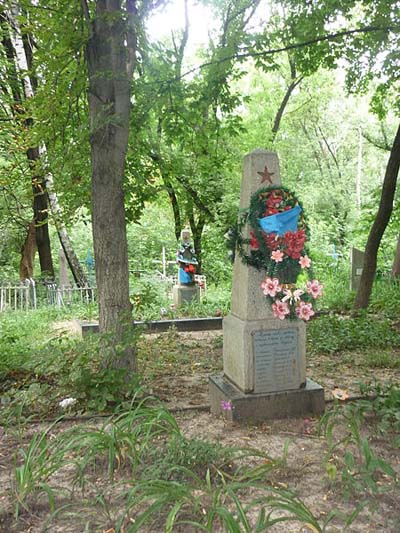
{"points": [[362, 472], [148, 297], [124, 440], [41, 366], [386, 297], [33, 469], [385, 406], [181, 455], [334, 275], [332, 334]]}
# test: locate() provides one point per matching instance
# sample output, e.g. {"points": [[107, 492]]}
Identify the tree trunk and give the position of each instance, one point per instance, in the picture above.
{"points": [[28, 254], [109, 57], [197, 232], [17, 66], [379, 225], [41, 215], [396, 261], [73, 262]]}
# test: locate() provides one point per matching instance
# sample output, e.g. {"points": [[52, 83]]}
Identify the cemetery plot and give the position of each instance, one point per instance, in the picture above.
{"points": [[292, 454]]}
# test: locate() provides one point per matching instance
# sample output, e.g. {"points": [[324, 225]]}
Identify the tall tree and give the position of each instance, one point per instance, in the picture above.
{"points": [[369, 40], [189, 121], [111, 56], [23, 85], [21, 88]]}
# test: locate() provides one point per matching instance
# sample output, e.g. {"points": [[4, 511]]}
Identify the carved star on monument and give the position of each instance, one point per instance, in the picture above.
{"points": [[266, 175]]}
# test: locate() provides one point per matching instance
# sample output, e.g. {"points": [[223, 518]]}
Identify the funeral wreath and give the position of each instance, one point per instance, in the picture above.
{"points": [[277, 244]]}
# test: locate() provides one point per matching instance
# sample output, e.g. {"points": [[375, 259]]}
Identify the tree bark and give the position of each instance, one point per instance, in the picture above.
{"points": [[295, 81], [72, 260], [378, 227], [17, 63], [28, 254], [197, 232], [41, 215], [110, 55]]}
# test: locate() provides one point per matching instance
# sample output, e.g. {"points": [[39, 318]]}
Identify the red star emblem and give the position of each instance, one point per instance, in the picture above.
{"points": [[266, 175]]}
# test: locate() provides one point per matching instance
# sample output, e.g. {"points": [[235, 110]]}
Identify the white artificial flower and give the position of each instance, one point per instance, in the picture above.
{"points": [[67, 402]]}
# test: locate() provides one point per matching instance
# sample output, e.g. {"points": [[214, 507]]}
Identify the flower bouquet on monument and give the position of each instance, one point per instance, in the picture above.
{"points": [[277, 245]]}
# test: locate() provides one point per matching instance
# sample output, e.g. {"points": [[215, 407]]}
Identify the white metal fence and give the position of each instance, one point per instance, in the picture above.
{"points": [[29, 295], [18, 297], [68, 295]]}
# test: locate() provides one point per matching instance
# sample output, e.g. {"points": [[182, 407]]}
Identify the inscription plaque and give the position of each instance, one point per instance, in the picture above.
{"points": [[276, 360]]}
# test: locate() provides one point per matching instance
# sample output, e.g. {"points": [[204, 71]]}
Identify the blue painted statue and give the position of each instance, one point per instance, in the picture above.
{"points": [[186, 259]]}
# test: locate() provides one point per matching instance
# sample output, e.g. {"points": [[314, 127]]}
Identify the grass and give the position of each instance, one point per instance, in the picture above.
{"points": [[136, 470]]}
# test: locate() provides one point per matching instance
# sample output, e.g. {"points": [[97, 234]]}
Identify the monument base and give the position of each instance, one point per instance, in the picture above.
{"points": [[185, 293], [249, 408]]}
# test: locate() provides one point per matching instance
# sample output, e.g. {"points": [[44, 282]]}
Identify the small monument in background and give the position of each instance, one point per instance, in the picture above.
{"points": [[356, 267], [186, 290], [264, 346], [63, 270]]}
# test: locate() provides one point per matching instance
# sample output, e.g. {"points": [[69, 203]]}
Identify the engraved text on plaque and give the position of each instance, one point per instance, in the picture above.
{"points": [[276, 360]]}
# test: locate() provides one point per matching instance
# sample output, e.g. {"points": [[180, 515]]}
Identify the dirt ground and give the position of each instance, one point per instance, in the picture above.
{"points": [[176, 368]]}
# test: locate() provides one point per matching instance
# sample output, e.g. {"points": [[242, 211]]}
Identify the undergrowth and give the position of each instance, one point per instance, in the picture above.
{"points": [[160, 480]]}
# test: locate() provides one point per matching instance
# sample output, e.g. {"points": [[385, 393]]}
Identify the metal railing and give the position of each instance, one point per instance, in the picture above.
{"points": [[30, 295], [15, 297], [68, 295]]}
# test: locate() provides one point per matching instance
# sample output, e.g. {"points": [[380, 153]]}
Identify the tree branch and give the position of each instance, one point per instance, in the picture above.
{"points": [[294, 46]]}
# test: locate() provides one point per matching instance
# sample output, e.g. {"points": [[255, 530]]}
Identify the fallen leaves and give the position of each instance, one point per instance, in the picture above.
{"points": [[340, 394]]}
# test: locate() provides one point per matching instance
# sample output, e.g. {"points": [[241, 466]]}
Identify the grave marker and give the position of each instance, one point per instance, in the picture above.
{"points": [[186, 290], [264, 357], [63, 269], [356, 267]]}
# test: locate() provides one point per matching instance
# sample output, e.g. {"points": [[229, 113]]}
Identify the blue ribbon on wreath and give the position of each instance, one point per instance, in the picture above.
{"points": [[281, 222]]}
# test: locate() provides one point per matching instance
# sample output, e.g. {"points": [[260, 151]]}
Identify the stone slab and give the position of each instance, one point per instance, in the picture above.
{"points": [[356, 267], [249, 408], [262, 356], [248, 301], [185, 294], [159, 326]]}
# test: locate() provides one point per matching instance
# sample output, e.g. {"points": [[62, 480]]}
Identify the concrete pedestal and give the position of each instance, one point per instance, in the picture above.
{"points": [[185, 293], [264, 357], [249, 408]]}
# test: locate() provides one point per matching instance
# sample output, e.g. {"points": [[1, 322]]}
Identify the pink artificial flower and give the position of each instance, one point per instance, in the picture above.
{"points": [[280, 309], [292, 296], [305, 261], [270, 287], [314, 288], [226, 405], [277, 256], [305, 311]]}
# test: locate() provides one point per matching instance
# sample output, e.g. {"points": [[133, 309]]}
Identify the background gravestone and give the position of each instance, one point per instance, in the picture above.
{"points": [[356, 267], [63, 269], [264, 357]]}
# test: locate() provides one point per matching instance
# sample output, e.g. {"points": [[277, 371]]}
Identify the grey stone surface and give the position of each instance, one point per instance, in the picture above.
{"points": [[264, 357], [250, 311], [239, 356], [63, 275], [185, 293], [356, 267], [247, 301], [249, 408]]}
